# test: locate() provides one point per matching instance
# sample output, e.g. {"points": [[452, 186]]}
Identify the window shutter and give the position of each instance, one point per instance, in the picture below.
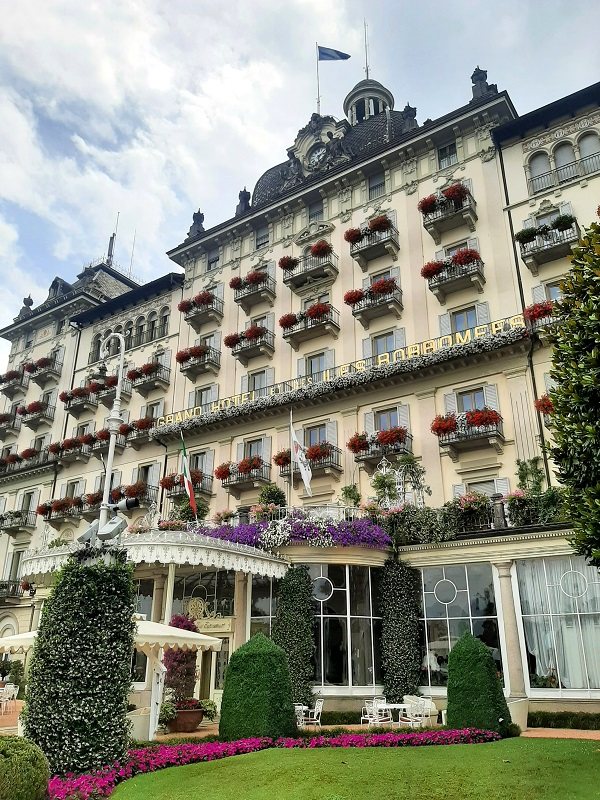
{"points": [[502, 486], [395, 273], [473, 243], [165, 358], [445, 325], [142, 412], [331, 432], [154, 475], [440, 255], [98, 483], [80, 487], [566, 208], [271, 269], [208, 464], [161, 407], [115, 478], [63, 490], [468, 184], [369, 422], [529, 223], [244, 383], [271, 322], [2, 504], [404, 416], [74, 431], [191, 399], [329, 359], [367, 348], [270, 376], [366, 283], [538, 293], [125, 414], [240, 451], [490, 394], [134, 475], [217, 340], [399, 338], [482, 311], [214, 392], [218, 291], [266, 448], [451, 403], [549, 382], [458, 489], [301, 367]]}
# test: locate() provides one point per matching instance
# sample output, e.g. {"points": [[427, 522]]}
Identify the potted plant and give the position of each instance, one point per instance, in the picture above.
{"points": [[185, 305], [321, 249], [432, 268], [133, 374], [466, 256], [288, 263], [232, 340], [11, 375], [539, 311], [149, 368], [563, 222], [353, 296], [29, 368], [353, 235], [318, 310], [137, 489], [383, 286], [427, 205], [456, 194], [103, 435], [443, 423], [223, 471], [482, 417], [204, 298], [283, 458], [182, 356], [380, 224], [288, 321], [254, 332], [236, 282], [319, 452], [256, 277], [526, 236], [29, 453], [358, 443], [395, 435]]}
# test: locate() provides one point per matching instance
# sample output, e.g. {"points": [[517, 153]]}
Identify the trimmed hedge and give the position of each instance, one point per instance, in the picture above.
{"points": [[475, 696], [24, 772], [257, 695], [400, 595], [578, 720]]}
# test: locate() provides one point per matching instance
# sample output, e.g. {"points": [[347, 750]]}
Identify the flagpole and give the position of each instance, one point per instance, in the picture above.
{"points": [[291, 461], [366, 50], [318, 85], [184, 452]]}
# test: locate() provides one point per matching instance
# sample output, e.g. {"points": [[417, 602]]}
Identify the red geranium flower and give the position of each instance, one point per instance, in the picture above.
{"points": [[125, 428], [183, 355], [111, 381], [321, 249], [456, 193], [443, 424], [54, 448], [143, 424], [353, 235], [197, 350], [103, 435], [256, 277], [288, 263], [380, 223], [318, 310], [43, 362], [288, 321], [396, 435], [28, 453], [236, 282], [150, 368], [137, 489], [427, 205], [283, 458], [254, 332], [358, 443], [87, 438], [539, 311], [134, 374], [223, 471], [482, 417], [204, 298], [80, 392], [30, 367], [232, 339], [543, 404], [432, 268], [65, 396], [72, 443], [353, 296], [319, 452], [465, 256], [383, 286], [185, 305]]}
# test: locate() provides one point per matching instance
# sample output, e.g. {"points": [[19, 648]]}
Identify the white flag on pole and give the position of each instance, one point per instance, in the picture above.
{"points": [[299, 458]]}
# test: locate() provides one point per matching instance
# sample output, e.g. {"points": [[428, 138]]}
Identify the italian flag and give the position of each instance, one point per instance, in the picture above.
{"points": [[187, 478]]}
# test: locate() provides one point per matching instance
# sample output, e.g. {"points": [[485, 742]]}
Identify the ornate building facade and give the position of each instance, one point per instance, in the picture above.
{"points": [[374, 281]]}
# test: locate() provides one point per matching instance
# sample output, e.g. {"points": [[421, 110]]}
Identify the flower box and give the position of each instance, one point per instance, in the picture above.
{"points": [[379, 237], [453, 208], [316, 320], [257, 287], [537, 311], [256, 340], [482, 417], [204, 307], [353, 235], [13, 382], [321, 263], [443, 424], [150, 376], [464, 269], [544, 405], [471, 430]]}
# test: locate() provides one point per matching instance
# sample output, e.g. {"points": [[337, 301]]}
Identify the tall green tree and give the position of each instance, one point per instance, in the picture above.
{"points": [[576, 397], [80, 672]]}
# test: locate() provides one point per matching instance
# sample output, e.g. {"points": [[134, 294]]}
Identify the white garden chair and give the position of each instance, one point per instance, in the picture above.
{"points": [[367, 714], [414, 716], [313, 716], [299, 712], [4, 700], [11, 691], [431, 710], [383, 716]]}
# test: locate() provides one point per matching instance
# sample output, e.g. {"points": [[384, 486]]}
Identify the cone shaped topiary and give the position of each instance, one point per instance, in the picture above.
{"points": [[257, 695], [475, 696]]}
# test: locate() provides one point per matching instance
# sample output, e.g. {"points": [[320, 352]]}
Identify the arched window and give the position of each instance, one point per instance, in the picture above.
{"points": [[152, 326], [589, 152], [164, 320], [138, 334], [539, 170], [564, 159], [128, 335], [95, 349]]}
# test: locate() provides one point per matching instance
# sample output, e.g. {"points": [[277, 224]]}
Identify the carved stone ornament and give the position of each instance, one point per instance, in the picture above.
{"points": [[313, 232], [409, 166], [411, 188], [287, 221], [488, 154], [560, 132]]}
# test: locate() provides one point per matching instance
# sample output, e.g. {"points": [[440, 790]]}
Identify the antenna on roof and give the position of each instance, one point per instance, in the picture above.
{"points": [[111, 243], [366, 50], [132, 252]]}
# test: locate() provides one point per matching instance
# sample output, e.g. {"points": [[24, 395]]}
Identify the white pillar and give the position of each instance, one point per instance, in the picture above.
{"points": [[514, 662], [168, 611], [240, 602]]}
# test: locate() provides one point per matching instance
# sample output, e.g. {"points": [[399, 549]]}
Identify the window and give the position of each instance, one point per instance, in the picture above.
{"points": [[483, 487], [376, 185], [143, 475], [384, 343], [208, 341], [27, 501], [71, 489], [257, 380], [164, 321], [553, 291], [464, 319], [152, 327], [468, 401], [29, 339], [386, 418], [564, 160], [144, 590], [261, 237], [589, 151], [263, 605], [82, 429], [539, 170], [315, 364], [253, 448], [447, 155], [15, 565], [154, 410], [315, 211], [450, 251], [203, 396], [198, 460], [40, 441], [260, 321], [60, 325], [47, 398], [560, 599], [214, 589], [546, 219], [380, 276], [456, 599], [315, 435], [212, 260], [321, 298]]}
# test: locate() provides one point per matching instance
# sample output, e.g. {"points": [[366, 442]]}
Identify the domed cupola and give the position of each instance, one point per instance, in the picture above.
{"points": [[367, 99]]}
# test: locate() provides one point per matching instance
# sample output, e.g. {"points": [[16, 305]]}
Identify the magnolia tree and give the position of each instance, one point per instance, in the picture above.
{"points": [[576, 370]]}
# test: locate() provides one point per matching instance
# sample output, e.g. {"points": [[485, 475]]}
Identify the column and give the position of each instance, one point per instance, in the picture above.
{"points": [[240, 604], [421, 418], [168, 592], [35, 617], [513, 660], [158, 598]]}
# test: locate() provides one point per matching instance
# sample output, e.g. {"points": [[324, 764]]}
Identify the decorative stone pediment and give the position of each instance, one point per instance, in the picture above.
{"points": [[313, 232]]}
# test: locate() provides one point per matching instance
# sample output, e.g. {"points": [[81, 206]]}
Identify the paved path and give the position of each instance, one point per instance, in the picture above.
{"points": [[8, 721], [560, 733]]}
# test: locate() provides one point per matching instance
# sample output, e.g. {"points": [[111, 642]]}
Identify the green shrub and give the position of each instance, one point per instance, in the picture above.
{"points": [[271, 493], [17, 673], [340, 718], [580, 720], [475, 696], [293, 630], [257, 695], [400, 595], [5, 666], [350, 494], [24, 772]]}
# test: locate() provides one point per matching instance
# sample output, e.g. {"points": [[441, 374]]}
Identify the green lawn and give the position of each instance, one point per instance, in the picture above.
{"points": [[514, 769]]}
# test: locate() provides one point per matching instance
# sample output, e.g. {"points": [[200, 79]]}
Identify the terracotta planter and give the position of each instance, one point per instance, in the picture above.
{"points": [[186, 721]]}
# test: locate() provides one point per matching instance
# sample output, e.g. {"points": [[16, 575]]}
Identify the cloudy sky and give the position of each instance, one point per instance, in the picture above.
{"points": [[152, 109]]}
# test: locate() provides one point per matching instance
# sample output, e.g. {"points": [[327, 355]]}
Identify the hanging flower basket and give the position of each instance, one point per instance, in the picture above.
{"points": [[93, 498], [427, 205], [254, 332], [185, 305], [482, 417], [321, 249], [236, 282], [383, 286], [318, 310], [358, 443], [70, 444], [283, 458], [87, 439], [29, 453], [55, 448], [432, 268], [288, 321], [543, 404], [464, 257], [223, 471], [353, 235], [29, 368], [246, 465], [170, 481], [380, 224], [103, 435], [443, 424], [204, 298], [232, 339], [256, 277], [288, 263], [396, 435], [353, 296], [456, 193], [137, 489], [539, 311], [143, 424], [11, 375]]}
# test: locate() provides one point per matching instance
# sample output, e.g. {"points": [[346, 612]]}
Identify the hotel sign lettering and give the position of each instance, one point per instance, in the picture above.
{"points": [[401, 354]]}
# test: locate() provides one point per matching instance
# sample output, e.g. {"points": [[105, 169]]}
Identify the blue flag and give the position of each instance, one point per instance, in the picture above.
{"points": [[329, 54]]}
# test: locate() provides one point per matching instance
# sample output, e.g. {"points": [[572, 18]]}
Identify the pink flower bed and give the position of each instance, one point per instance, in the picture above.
{"points": [[151, 759]]}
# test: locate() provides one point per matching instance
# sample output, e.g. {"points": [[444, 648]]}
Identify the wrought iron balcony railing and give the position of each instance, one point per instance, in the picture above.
{"points": [[311, 267], [332, 460], [455, 277], [568, 172], [375, 244]]}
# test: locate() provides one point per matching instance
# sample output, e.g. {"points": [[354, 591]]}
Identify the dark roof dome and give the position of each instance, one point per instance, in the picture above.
{"points": [[367, 99]]}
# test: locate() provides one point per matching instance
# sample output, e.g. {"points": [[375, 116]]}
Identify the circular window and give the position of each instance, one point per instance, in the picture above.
{"points": [[445, 591], [322, 589], [574, 583]]}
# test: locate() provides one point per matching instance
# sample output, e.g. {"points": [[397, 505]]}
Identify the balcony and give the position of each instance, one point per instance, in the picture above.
{"points": [[10, 425], [451, 214], [74, 455], [40, 461], [311, 268], [143, 337], [47, 372], [199, 315], [137, 439], [569, 172], [375, 244], [77, 406], [471, 437], [147, 495], [100, 447], [14, 383], [378, 305], [549, 247], [204, 487], [36, 419], [208, 362], [454, 278], [10, 589], [307, 328], [254, 293], [239, 482], [73, 514], [14, 522], [370, 457], [107, 396], [159, 378], [246, 349], [330, 465]]}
